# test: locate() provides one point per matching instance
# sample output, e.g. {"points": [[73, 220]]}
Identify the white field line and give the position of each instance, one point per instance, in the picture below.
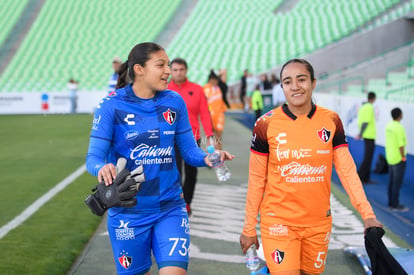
{"points": [[31, 209]]}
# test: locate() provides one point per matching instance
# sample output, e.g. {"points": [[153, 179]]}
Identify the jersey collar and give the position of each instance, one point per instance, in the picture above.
{"points": [[132, 97], [293, 116]]}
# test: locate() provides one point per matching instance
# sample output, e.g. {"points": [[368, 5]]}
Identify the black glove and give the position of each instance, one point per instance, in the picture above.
{"points": [[121, 193]]}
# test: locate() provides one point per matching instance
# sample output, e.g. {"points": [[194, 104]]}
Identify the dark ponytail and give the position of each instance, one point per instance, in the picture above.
{"points": [[139, 54], [122, 75], [213, 75]]}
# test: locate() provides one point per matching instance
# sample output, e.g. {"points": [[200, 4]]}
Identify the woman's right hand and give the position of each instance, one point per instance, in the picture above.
{"points": [[107, 174], [246, 242]]}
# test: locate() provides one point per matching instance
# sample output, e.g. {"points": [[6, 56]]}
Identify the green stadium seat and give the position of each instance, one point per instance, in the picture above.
{"points": [[84, 38], [233, 34], [265, 27], [9, 14]]}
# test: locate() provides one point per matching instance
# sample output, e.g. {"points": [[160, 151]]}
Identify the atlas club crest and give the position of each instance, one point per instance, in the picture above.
{"points": [[169, 116], [125, 260], [278, 256], [324, 135]]}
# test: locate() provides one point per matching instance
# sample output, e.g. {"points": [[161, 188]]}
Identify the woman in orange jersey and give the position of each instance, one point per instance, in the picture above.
{"points": [[292, 152], [216, 106]]}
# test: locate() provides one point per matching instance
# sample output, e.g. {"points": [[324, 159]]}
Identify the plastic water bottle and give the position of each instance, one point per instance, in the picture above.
{"points": [[252, 260], [222, 172]]}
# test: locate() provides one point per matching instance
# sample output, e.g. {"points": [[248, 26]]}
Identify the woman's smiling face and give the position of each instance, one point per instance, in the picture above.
{"points": [[297, 86], [157, 71]]}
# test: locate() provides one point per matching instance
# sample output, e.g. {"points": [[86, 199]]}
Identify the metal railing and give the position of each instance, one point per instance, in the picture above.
{"points": [[398, 90], [340, 84]]}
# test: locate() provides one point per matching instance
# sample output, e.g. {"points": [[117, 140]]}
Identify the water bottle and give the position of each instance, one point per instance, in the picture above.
{"points": [[222, 172], [252, 260]]}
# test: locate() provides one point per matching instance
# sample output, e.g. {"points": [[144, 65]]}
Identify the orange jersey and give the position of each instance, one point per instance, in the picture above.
{"points": [[215, 100], [291, 165]]}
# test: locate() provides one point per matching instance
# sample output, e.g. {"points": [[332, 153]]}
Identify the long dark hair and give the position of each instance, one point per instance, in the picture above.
{"points": [[139, 54]]}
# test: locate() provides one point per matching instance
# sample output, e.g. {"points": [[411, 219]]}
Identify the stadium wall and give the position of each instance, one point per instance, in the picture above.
{"points": [[51, 102], [348, 107]]}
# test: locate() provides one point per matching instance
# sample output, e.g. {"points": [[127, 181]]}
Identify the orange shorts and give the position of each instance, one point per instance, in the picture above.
{"points": [[295, 248], [218, 121]]}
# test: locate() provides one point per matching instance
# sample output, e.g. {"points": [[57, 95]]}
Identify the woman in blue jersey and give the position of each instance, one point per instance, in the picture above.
{"points": [[141, 122]]}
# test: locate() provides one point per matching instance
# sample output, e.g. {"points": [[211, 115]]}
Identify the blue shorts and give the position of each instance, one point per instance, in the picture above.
{"points": [[133, 236]]}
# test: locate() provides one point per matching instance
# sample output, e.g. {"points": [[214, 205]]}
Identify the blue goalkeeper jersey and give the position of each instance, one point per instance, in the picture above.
{"points": [[144, 131]]}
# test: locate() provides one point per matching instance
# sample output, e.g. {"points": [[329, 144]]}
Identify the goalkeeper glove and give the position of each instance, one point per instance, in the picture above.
{"points": [[121, 193]]}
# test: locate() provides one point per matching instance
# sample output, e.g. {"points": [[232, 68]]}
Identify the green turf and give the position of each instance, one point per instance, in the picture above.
{"points": [[37, 152]]}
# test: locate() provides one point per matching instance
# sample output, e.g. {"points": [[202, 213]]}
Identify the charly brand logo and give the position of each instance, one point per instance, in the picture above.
{"points": [[281, 138], [169, 116], [130, 135], [129, 119], [123, 232], [125, 260], [324, 135]]}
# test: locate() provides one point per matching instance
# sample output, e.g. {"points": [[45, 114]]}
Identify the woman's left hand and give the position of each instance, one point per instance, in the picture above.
{"points": [[371, 222], [224, 155]]}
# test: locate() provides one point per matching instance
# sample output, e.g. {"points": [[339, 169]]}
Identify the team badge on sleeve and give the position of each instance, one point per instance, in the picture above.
{"points": [[324, 135], [169, 116]]}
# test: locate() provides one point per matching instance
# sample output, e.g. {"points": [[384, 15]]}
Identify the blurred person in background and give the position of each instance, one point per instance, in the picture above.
{"points": [[73, 90], [141, 122], [366, 123], [243, 86], [251, 82], [396, 156], [293, 149], [265, 83], [278, 96], [197, 108], [116, 64], [223, 85], [216, 106], [274, 80], [257, 102]]}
